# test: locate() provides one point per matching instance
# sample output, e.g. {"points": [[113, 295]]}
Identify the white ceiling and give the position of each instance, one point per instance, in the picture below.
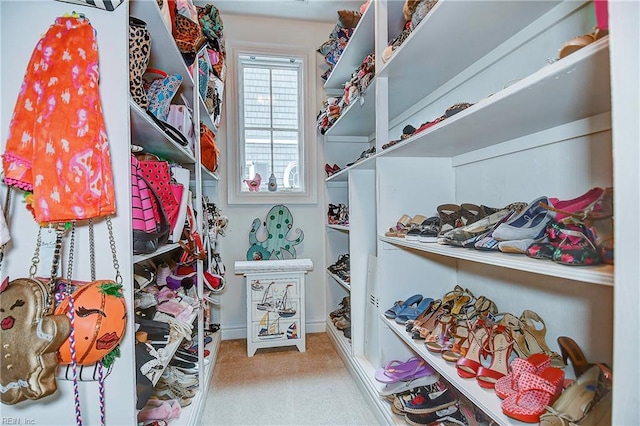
{"points": [[304, 10]]}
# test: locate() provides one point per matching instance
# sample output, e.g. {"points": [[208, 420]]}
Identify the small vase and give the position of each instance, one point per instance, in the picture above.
{"points": [[273, 184]]}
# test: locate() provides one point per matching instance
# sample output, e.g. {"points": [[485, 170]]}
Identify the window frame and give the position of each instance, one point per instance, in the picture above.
{"points": [[308, 142]]}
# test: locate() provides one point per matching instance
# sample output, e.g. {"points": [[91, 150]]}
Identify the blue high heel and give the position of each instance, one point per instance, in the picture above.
{"points": [[400, 305], [413, 313]]}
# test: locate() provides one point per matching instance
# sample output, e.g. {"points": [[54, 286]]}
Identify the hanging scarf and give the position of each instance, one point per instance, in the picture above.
{"points": [[57, 146]]}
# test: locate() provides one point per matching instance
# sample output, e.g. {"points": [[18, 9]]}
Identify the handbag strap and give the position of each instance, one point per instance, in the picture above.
{"points": [[5, 212], [156, 71]]}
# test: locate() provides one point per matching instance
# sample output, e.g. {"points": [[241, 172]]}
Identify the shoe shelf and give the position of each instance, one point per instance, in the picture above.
{"points": [[340, 281], [600, 274], [337, 179], [485, 399], [190, 415], [166, 248], [362, 368], [426, 59], [342, 343], [165, 55], [143, 128], [565, 88], [342, 228], [361, 43], [170, 350], [359, 117]]}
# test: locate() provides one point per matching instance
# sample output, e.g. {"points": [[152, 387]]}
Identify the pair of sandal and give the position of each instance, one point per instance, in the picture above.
{"points": [[342, 267], [338, 214], [396, 371], [455, 216], [405, 224]]}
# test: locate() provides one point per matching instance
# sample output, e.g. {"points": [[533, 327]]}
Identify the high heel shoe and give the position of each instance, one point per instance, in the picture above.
{"points": [[457, 342], [571, 352], [437, 340], [423, 317], [500, 347], [575, 402], [529, 339], [421, 329], [460, 298], [468, 365]]}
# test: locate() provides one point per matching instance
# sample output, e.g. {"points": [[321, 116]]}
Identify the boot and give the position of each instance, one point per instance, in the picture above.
{"points": [[139, 52]]}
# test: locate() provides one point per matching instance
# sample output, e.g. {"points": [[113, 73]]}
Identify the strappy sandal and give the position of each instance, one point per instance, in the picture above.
{"points": [[460, 298], [470, 213], [439, 337], [414, 223], [423, 318], [450, 217], [529, 339]]}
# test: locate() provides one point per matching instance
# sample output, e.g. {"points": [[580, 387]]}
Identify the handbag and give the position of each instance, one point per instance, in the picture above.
{"points": [[209, 152], [30, 338], [109, 5], [188, 34], [180, 118], [150, 226], [30, 334], [160, 91], [157, 175]]}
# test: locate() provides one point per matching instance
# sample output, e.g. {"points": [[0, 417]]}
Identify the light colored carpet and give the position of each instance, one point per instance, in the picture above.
{"points": [[282, 386]]}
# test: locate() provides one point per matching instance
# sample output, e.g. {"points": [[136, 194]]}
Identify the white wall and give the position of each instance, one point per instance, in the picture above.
{"points": [[310, 218], [15, 51]]}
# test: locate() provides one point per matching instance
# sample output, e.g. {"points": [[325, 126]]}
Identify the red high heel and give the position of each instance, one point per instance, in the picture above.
{"points": [[501, 344], [469, 364]]}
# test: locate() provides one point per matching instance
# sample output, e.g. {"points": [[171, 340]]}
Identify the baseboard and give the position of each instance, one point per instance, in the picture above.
{"points": [[239, 331]]}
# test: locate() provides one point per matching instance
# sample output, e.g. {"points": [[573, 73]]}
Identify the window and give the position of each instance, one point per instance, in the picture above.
{"points": [[272, 127], [271, 112]]}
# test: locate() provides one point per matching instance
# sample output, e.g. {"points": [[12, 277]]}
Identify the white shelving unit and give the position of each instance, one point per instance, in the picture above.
{"points": [[166, 56], [126, 124], [537, 126]]}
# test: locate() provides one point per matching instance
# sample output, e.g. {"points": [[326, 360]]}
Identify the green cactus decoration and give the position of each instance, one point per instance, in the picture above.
{"points": [[270, 239]]}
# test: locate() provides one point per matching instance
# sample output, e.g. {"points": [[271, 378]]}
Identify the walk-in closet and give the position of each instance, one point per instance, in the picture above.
{"points": [[426, 201]]}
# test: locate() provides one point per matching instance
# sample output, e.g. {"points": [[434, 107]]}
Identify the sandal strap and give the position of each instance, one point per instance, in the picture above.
{"points": [[529, 381]]}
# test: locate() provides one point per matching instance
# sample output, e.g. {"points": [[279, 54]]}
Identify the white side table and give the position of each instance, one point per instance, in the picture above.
{"points": [[275, 302]]}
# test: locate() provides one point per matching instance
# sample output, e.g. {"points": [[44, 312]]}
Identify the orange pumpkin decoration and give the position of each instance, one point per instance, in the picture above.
{"points": [[99, 323]]}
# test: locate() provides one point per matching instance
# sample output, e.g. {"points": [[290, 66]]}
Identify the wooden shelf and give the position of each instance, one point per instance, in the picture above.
{"points": [[161, 250], [151, 137], [165, 55], [342, 228], [485, 399], [424, 62], [360, 45], [565, 88], [340, 281], [600, 274], [359, 117]]}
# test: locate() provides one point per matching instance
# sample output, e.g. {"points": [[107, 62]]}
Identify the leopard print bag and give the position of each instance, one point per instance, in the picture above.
{"points": [[188, 34]]}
